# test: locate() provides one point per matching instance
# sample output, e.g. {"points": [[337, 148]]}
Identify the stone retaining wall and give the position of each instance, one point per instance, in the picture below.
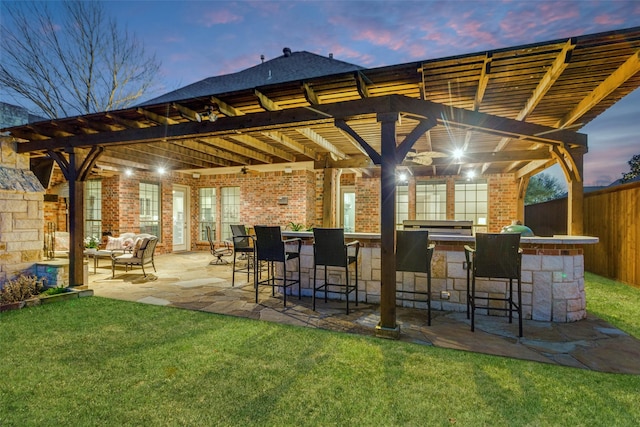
{"points": [[21, 213]]}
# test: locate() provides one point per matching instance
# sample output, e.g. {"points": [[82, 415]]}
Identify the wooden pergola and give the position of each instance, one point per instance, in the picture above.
{"points": [[513, 110]]}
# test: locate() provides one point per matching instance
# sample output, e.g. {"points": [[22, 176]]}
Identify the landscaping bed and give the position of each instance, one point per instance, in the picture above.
{"points": [[29, 291]]}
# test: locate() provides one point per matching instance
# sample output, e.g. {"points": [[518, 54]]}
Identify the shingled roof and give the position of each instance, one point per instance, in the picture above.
{"points": [[290, 66]]}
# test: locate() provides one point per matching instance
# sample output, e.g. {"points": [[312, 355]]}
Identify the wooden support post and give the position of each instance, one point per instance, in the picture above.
{"points": [[328, 198], [76, 221], [571, 161], [523, 183], [388, 327], [575, 203]]}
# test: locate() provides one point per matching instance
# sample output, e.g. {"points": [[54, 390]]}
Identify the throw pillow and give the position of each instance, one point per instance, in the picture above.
{"points": [[113, 243], [127, 243], [136, 247]]}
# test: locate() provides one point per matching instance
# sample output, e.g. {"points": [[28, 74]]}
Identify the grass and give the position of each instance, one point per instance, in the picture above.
{"points": [[615, 302], [95, 361]]}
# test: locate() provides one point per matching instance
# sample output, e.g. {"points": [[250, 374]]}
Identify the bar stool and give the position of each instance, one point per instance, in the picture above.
{"points": [[241, 245], [413, 253], [330, 250], [269, 249], [496, 256]]}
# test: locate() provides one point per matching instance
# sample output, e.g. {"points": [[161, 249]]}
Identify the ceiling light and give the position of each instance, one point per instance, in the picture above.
{"points": [[471, 174], [458, 153], [161, 170], [128, 172]]}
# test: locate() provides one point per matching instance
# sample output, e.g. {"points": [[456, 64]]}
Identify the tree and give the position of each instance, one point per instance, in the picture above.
{"points": [[634, 169], [543, 187], [70, 58]]}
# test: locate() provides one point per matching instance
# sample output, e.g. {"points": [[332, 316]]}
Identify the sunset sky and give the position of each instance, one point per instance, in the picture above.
{"points": [[199, 39]]}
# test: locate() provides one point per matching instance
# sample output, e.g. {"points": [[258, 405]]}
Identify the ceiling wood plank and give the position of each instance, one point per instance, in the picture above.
{"points": [[550, 77], [483, 81], [187, 113], [225, 108], [362, 86], [204, 147], [262, 146], [237, 149], [185, 153], [290, 143], [154, 158], [265, 102], [320, 141], [162, 120], [130, 124], [310, 94]]}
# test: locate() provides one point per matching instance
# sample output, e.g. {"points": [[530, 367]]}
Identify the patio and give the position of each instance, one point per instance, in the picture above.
{"points": [[187, 280]]}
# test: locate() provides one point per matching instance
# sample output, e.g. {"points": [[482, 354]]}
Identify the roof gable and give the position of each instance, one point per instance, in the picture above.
{"points": [[290, 66]]}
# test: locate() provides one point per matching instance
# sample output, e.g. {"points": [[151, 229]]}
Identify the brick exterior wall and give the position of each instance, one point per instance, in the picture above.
{"points": [[502, 201], [259, 195]]}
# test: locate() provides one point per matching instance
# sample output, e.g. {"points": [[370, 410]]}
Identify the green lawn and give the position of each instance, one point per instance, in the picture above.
{"points": [[95, 361]]}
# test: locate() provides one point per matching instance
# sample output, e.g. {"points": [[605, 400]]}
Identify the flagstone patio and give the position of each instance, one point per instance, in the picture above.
{"points": [[188, 281]]}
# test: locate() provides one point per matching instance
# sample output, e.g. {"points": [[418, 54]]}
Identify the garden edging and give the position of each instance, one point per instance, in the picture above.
{"points": [[71, 293]]}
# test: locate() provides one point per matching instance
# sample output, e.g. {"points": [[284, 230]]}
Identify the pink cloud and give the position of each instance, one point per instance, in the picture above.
{"points": [[344, 53], [380, 38], [217, 17], [607, 20]]}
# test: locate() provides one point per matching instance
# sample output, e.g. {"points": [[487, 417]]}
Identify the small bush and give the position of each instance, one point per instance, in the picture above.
{"points": [[20, 289], [55, 291]]}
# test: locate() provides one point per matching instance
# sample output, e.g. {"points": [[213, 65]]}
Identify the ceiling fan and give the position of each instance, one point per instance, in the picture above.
{"points": [[425, 157], [246, 171]]}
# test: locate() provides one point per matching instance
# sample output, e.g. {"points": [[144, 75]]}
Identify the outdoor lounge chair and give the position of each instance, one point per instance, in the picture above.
{"points": [[413, 253], [218, 252], [270, 248], [330, 250], [138, 256], [496, 256]]}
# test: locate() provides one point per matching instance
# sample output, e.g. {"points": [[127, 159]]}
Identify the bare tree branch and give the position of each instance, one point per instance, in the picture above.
{"points": [[71, 60]]}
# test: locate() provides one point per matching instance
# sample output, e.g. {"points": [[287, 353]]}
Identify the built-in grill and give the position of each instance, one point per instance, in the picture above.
{"points": [[448, 227]]}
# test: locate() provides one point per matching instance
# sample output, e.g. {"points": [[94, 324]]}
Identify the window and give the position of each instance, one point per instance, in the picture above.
{"points": [[471, 202], [93, 209], [207, 212], [431, 200], [150, 208], [230, 207], [402, 204]]}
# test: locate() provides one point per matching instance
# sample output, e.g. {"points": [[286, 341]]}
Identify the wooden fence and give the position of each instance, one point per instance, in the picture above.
{"points": [[547, 218], [611, 214]]}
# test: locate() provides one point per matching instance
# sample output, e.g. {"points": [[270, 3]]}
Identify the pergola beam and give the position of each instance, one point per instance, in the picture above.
{"points": [[616, 79]]}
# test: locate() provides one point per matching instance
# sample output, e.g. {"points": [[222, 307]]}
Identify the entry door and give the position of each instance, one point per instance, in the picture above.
{"points": [[180, 218], [348, 211]]}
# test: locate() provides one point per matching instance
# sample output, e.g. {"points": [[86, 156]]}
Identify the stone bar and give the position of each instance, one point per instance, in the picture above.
{"points": [[552, 275]]}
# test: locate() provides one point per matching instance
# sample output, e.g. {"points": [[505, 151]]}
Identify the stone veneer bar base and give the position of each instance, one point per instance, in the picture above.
{"points": [[552, 275]]}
